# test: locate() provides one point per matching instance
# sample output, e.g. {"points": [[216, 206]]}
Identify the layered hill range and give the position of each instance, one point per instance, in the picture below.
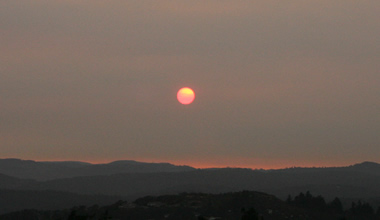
{"points": [[41, 171], [131, 179]]}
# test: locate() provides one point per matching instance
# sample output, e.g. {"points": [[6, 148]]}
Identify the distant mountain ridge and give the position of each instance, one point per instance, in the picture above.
{"points": [[29, 169], [50, 170], [355, 181], [132, 179]]}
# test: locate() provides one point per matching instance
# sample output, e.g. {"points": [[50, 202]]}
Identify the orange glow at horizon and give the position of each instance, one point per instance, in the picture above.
{"points": [[215, 163], [185, 96]]}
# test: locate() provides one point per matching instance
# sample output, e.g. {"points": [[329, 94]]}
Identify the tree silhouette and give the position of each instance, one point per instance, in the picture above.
{"points": [[335, 206], [361, 209], [289, 199], [250, 214], [309, 201]]}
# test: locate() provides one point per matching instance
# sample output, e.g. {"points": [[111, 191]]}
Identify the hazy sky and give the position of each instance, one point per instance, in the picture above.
{"points": [[277, 83]]}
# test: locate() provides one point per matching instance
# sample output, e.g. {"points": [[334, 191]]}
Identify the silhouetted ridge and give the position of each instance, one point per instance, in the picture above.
{"points": [[243, 205], [133, 162], [367, 164], [29, 169], [73, 164], [12, 200]]}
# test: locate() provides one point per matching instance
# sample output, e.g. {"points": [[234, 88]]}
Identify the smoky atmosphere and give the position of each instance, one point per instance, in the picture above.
{"points": [[272, 84]]}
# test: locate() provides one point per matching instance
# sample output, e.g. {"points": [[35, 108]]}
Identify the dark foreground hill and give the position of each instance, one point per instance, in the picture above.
{"points": [[245, 205], [13, 200]]}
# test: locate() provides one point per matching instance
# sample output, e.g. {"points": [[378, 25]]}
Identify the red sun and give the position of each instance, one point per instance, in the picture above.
{"points": [[185, 96]]}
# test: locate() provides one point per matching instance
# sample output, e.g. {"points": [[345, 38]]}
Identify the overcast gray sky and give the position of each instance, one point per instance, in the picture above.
{"points": [[277, 83]]}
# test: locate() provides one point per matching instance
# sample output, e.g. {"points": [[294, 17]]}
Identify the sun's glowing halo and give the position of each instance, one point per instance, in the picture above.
{"points": [[185, 95]]}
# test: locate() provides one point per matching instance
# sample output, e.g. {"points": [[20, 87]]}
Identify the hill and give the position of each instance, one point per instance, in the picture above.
{"points": [[245, 205], [29, 169], [13, 200], [330, 182], [350, 183]]}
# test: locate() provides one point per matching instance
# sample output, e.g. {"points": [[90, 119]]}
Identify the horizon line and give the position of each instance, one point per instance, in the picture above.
{"points": [[199, 166]]}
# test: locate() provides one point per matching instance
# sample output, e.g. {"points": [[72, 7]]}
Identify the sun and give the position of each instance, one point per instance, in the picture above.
{"points": [[185, 96]]}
